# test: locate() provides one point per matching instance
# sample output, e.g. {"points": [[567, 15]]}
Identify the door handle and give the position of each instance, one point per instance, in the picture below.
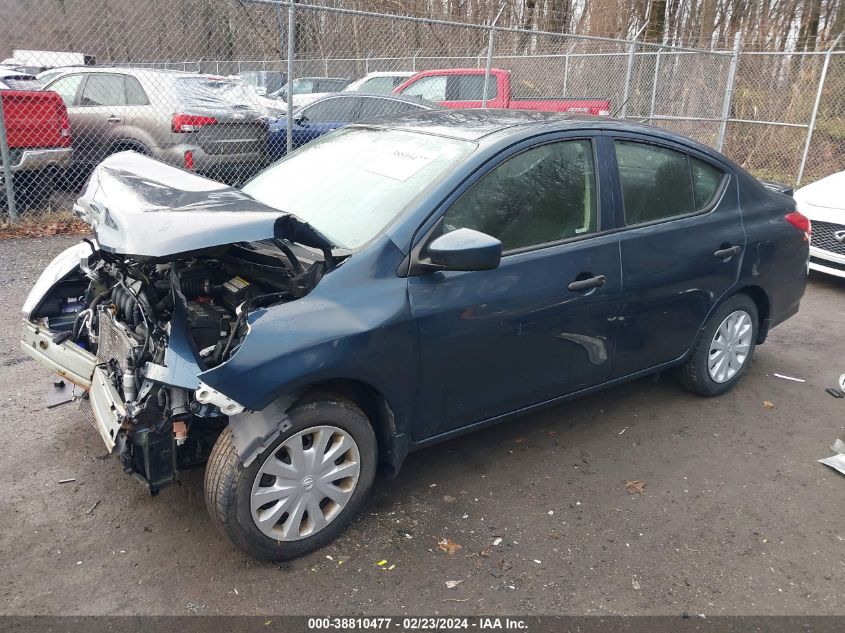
{"points": [[730, 251], [113, 119], [586, 284]]}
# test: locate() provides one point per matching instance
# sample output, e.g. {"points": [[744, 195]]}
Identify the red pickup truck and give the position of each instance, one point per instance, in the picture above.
{"points": [[38, 132], [463, 88]]}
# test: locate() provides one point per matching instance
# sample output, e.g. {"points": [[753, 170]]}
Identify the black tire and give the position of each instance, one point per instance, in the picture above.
{"points": [[228, 484], [694, 373]]}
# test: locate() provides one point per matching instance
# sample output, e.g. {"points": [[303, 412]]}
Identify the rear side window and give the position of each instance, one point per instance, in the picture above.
{"points": [[103, 90], [706, 182], [660, 183], [135, 94], [331, 85], [67, 88], [379, 84], [470, 88], [432, 88]]}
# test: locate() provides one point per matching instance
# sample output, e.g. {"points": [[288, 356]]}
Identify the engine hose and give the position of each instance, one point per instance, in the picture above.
{"points": [[77, 322]]}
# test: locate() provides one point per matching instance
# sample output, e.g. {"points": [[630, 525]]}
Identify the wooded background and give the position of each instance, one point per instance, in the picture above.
{"points": [[777, 75], [143, 30]]}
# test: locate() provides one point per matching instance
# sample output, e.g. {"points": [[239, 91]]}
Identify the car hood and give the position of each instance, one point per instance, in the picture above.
{"points": [[141, 207], [827, 193]]}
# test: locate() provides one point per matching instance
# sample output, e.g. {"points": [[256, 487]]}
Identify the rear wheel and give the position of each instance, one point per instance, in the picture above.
{"points": [[724, 348], [301, 492]]}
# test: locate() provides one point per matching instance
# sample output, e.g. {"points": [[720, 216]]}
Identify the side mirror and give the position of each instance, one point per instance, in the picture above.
{"points": [[465, 249]]}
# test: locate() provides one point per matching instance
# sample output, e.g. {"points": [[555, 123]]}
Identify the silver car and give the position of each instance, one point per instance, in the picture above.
{"points": [[202, 123]]}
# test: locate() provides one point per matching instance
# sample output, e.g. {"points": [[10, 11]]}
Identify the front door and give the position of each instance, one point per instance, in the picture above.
{"points": [[492, 342], [681, 245]]}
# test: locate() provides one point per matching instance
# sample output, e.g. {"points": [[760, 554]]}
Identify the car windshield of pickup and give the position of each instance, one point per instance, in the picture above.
{"points": [[351, 184]]}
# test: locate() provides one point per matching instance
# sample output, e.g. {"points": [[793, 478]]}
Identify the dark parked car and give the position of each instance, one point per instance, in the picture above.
{"points": [[337, 110], [410, 282]]}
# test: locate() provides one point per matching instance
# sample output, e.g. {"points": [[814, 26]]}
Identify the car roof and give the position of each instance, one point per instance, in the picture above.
{"points": [[477, 124]]}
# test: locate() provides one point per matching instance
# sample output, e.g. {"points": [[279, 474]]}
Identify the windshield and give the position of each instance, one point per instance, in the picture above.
{"points": [[350, 185]]}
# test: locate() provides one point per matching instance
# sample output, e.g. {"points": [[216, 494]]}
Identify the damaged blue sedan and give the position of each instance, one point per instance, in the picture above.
{"points": [[392, 285]]}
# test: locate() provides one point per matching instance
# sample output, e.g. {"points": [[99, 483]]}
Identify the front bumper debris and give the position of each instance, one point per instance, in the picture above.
{"points": [[66, 359]]}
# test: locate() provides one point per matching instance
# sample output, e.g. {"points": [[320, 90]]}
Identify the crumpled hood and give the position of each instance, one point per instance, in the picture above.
{"points": [[141, 207]]}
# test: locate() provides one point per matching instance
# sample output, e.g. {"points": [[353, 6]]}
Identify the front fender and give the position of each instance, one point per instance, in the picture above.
{"points": [[354, 325]]}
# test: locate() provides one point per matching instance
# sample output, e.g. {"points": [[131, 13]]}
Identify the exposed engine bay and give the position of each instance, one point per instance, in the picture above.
{"points": [[153, 325]]}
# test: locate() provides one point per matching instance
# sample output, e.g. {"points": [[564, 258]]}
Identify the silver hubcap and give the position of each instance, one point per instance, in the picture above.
{"points": [[305, 483], [730, 346]]}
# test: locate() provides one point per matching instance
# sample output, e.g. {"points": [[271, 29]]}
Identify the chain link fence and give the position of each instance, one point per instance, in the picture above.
{"points": [[208, 84]]}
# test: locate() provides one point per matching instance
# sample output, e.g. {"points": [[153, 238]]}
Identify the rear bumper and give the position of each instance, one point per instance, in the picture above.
{"points": [[32, 160], [204, 162]]}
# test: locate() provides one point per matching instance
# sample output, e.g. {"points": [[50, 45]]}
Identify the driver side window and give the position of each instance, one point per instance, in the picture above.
{"points": [[545, 194]]}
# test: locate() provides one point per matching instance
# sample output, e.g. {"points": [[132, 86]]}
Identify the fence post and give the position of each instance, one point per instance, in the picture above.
{"points": [[729, 94], [490, 38], [7, 165], [291, 36], [812, 126], [632, 49], [367, 63], [414, 61], [566, 74], [654, 87]]}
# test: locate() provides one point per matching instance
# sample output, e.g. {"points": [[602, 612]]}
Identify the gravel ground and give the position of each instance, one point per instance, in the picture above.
{"points": [[737, 517]]}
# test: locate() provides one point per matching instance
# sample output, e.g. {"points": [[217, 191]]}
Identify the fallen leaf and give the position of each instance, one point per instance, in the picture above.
{"points": [[381, 563], [451, 584], [768, 404], [635, 486], [448, 545], [497, 540], [484, 552]]}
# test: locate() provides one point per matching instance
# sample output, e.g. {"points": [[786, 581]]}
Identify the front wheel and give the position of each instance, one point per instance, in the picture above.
{"points": [[302, 491], [724, 348]]}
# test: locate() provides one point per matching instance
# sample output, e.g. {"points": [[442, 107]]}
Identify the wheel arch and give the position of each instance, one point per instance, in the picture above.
{"points": [[392, 449], [763, 303], [125, 144]]}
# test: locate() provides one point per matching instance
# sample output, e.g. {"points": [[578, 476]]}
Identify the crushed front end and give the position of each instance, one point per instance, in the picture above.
{"points": [[133, 336]]}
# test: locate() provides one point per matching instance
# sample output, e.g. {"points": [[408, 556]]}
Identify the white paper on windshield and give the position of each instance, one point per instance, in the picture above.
{"points": [[398, 164]]}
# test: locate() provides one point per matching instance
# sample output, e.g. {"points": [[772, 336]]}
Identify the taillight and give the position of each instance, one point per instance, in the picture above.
{"points": [[64, 125], [189, 160], [800, 222], [190, 122]]}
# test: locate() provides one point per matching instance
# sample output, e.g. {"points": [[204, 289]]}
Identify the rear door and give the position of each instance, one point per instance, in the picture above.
{"points": [[99, 113], [492, 342], [681, 242]]}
